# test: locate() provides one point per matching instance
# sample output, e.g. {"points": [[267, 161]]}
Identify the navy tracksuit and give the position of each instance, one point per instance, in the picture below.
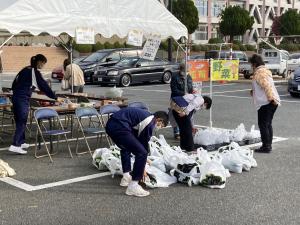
{"points": [[131, 130], [22, 90]]}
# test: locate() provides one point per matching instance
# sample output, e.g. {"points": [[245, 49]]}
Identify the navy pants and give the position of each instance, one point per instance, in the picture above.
{"points": [[265, 117], [186, 134], [20, 109], [128, 143]]}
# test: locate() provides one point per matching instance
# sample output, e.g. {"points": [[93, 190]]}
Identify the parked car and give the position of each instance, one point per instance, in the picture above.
{"points": [[136, 70], [293, 62], [105, 58], [58, 72], [294, 83], [193, 57], [276, 61], [244, 65]]}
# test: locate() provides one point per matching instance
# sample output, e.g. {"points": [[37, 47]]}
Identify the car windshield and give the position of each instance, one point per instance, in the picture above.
{"points": [[127, 62], [295, 56], [95, 57]]}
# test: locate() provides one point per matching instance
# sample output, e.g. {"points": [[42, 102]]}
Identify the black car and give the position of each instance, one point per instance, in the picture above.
{"points": [[294, 83], [136, 70], [105, 58]]}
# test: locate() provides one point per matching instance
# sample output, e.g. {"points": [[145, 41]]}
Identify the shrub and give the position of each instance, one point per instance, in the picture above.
{"points": [[215, 41], [83, 48], [235, 47], [250, 48], [97, 46], [108, 45]]}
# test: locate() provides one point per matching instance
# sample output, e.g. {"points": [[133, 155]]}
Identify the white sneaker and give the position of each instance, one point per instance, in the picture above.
{"points": [[25, 145], [136, 190], [16, 149], [125, 181]]}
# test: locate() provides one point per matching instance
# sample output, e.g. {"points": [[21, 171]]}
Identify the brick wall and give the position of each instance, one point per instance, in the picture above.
{"points": [[14, 58]]}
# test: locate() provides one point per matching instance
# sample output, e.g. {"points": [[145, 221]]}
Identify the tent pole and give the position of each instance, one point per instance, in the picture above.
{"points": [[6, 40], [211, 92], [186, 70], [71, 59]]}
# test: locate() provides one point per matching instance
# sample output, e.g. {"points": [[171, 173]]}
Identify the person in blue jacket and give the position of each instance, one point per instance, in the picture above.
{"points": [[131, 129], [26, 81]]}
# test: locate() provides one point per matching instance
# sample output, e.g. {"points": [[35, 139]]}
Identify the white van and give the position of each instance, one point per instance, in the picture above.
{"points": [[276, 61]]}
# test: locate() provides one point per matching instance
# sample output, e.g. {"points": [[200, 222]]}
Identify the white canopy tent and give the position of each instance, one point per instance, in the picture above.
{"points": [[105, 17]]}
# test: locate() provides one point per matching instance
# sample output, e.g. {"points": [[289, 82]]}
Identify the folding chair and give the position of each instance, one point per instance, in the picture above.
{"points": [[89, 122], [55, 129], [7, 113], [139, 105], [106, 111]]}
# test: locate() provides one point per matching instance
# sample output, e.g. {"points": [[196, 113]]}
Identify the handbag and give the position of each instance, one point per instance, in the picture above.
{"points": [[65, 85]]}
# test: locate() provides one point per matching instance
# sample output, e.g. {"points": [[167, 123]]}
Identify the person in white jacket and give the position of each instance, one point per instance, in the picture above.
{"points": [[183, 108]]}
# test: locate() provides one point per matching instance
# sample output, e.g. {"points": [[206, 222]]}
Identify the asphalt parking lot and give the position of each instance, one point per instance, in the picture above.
{"points": [[72, 191]]}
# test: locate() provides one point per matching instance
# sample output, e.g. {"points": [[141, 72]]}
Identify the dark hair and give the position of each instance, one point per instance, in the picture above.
{"points": [[162, 115], [256, 60], [37, 58], [66, 63], [208, 101]]}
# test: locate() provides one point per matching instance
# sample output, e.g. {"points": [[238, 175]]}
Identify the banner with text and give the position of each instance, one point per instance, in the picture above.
{"points": [[135, 38], [85, 35], [199, 70], [225, 70], [151, 47]]}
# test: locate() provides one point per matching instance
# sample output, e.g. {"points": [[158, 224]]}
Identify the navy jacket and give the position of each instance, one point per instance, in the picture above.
{"points": [[22, 84], [178, 85], [130, 119]]}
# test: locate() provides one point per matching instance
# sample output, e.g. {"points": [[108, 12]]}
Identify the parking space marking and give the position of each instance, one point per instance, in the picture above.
{"points": [[28, 187], [233, 96]]}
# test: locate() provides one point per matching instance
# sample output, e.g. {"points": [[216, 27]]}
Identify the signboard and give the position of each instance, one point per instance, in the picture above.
{"points": [[85, 35], [199, 70], [225, 70], [135, 38], [151, 47]]}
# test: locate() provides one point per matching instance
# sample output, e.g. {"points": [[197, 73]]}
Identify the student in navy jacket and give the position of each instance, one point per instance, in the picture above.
{"points": [[131, 129], [27, 80], [177, 86], [183, 108]]}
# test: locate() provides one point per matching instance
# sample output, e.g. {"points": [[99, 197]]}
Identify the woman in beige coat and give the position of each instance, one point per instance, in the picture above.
{"points": [[78, 77]]}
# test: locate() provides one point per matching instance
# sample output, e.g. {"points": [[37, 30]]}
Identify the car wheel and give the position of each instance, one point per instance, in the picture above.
{"points": [[247, 75], [167, 77], [125, 80], [294, 94]]}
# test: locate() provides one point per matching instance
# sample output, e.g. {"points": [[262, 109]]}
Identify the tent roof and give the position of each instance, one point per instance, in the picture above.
{"points": [[106, 17]]}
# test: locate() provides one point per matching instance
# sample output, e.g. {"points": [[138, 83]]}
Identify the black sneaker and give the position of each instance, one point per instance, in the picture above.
{"points": [[177, 136], [263, 150]]}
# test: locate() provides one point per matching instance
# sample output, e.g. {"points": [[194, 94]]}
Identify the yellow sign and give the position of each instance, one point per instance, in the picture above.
{"points": [[225, 69]]}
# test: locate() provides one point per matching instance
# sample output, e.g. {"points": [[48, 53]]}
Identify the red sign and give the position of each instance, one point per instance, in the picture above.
{"points": [[199, 70]]}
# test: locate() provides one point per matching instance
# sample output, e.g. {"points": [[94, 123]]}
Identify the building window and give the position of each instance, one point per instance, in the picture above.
{"points": [[216, 8], [201, 5], [201, 32], [215, 33]]}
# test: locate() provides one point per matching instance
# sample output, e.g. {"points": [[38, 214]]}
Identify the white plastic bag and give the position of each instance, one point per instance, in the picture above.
{"points": [[65, 85], [114, 92], [6, 170], [157, 178], [239, 133], [213, 175]]}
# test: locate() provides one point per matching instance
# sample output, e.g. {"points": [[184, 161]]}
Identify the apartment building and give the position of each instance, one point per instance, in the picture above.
{"points": [[263, 12]]}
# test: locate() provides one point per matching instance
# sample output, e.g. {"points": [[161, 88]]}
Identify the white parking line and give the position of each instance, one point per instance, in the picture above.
{"points": [[28, 187], [241, 97]]}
